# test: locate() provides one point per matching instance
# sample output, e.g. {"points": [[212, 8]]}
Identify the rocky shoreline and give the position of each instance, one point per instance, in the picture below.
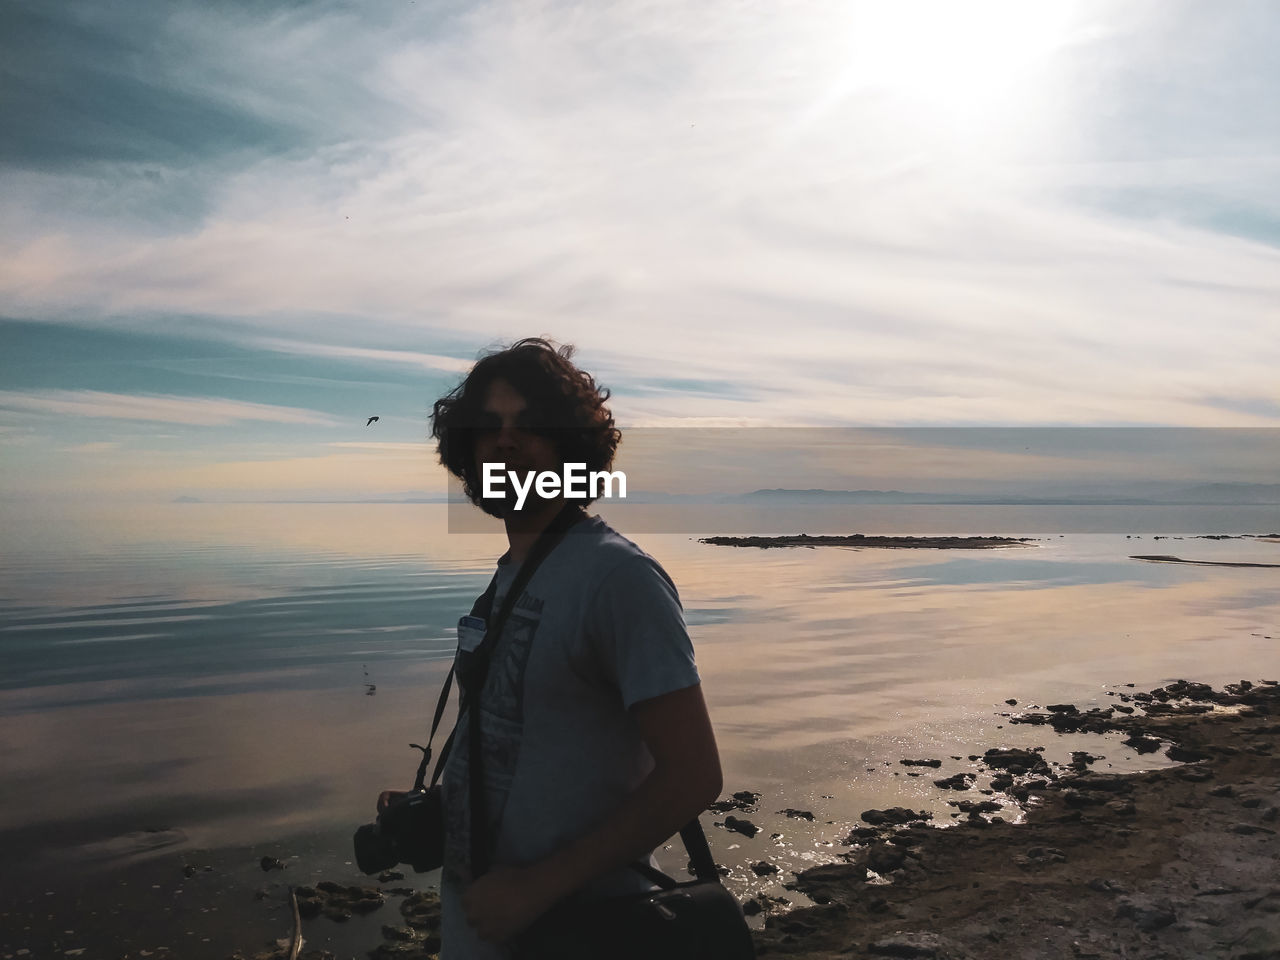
{"points": [[1171, 864], [1182, 862]]}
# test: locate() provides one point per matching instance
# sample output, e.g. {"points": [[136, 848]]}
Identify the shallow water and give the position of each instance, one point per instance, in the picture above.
{"points": [[195, 676]]}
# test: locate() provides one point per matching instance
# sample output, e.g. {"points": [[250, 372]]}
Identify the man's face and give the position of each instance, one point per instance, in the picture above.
{"points": [[505, 437]]}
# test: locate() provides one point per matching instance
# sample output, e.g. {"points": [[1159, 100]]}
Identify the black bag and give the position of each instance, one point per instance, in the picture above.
{"points": [[698, 920], [695, 920]]}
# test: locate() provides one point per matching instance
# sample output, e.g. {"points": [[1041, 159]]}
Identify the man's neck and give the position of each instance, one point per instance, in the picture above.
{"points": [[524, 527]]}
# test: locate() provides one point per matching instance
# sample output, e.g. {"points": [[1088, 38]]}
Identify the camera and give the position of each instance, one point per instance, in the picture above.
{"points": [[410, 830]]}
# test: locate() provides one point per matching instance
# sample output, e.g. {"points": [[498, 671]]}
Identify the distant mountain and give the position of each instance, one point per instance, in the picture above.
{"points": [[919, 498], [1231, 494], [186, 499], [1226, 493]]}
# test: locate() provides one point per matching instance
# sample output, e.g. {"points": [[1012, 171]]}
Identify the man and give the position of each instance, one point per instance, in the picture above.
{"points": [[596, 741]]}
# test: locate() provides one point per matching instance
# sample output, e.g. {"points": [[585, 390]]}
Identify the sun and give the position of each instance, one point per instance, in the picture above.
{"points": [[966, 71]]}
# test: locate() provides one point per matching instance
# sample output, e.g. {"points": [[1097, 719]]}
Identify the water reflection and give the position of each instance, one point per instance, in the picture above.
{"points": [[209, 669]]}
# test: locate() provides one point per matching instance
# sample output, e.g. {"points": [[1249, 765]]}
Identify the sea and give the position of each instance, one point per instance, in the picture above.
{"points": [[187, 688]]}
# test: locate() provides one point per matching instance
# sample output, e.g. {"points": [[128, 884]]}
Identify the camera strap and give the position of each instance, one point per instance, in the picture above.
{"points": [[480, 608], [478, 670]]}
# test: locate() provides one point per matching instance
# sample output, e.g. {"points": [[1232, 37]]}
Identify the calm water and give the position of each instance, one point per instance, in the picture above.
{"points": [[208, 668]]}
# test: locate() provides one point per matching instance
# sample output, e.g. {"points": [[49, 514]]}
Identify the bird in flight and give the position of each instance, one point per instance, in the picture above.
{"points": [[372, 420]]}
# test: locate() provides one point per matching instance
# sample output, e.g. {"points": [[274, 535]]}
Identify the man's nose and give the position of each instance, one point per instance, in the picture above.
{"points": [[508, 436]]}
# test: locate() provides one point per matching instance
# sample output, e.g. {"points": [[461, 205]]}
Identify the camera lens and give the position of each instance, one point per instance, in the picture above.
{"points": [[374, 851]]}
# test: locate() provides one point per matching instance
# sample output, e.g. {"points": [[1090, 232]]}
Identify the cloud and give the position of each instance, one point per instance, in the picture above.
{"points": [[710, 200], [196, 411], [97, 446], [423, 361]]}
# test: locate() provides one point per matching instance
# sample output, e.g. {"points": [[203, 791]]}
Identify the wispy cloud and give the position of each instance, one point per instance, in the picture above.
{"points": [[97, 446], [423, 361], [195, 411]]}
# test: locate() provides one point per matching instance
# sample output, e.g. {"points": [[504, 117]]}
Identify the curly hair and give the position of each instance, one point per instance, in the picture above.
{"points": [[564, 404]]}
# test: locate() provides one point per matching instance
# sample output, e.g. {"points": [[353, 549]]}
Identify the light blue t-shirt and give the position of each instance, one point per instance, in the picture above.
{"points": [[598, 628]]}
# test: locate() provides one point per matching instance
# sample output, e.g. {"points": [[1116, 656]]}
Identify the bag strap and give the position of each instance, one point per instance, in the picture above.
{"points": [[695, 842], [474, 680], [480, 608]]}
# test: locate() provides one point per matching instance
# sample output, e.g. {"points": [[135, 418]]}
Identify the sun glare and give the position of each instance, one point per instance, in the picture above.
{"points": [[965, 71]]}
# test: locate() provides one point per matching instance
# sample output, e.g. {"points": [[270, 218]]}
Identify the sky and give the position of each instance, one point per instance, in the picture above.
{"points": [[232, 232]]}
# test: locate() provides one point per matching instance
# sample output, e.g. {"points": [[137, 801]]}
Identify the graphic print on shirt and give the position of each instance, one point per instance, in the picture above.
{"points": [[501, 730]]}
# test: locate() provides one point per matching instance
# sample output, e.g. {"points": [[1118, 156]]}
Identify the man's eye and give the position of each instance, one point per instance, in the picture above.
{"points": [[532, 423], [488, 425]]}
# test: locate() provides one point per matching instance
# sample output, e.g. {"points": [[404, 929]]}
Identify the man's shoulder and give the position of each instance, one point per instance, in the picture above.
{"points": [[602, 550]]}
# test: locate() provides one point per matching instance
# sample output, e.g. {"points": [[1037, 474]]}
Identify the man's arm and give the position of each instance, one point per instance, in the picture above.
{"points": [[685, 779]]}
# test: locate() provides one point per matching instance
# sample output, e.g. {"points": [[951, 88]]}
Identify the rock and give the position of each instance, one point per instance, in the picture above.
{"points": [[831, 882], [762, 902], [1105, 782], [1195, 774], [960, 781], [798, 814], [1085, 798], [1080, 759], [1040, 856], [390, 876], [1186, 754], [763, 868], [270, 863], [1147, 914], [744, 827], [1249, 829], [367, 901], [925, 946], [1143, 744], [1102, 885], [884, 858], [1006, 759], [1124, 807], [976, 806], [894, 816], [337, 902], [743, 800], [422, 910], [404, 934], [921, 763]]}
